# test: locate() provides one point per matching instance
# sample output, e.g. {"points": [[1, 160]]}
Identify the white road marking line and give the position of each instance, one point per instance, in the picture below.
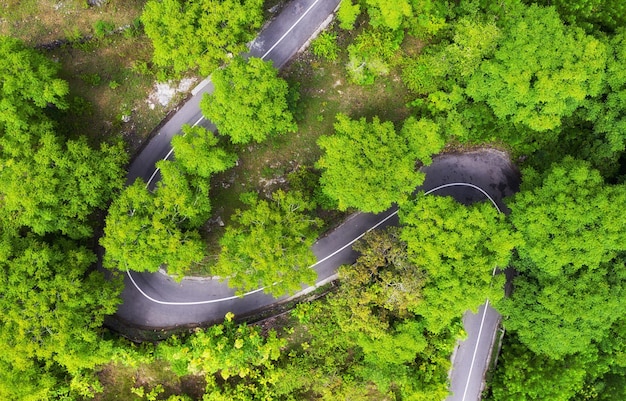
{"points": [[263, 58], [290, 29], [211, 301], [480, 330], [158, 169], [198, 122]]}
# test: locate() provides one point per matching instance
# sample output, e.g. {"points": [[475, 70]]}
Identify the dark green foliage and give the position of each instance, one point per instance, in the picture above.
{"points": [[249, 102], [592, 15]]}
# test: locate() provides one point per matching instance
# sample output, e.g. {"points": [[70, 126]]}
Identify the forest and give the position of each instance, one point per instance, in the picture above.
{"points": [[541, 80]]}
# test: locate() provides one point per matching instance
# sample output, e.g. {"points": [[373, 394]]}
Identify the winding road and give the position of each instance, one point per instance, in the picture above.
{"points": [[155, 301]]}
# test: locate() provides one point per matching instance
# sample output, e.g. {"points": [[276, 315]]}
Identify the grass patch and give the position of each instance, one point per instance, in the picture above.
{"points": [[104, 87], [109, 85], [126, 383], [40, 22]]}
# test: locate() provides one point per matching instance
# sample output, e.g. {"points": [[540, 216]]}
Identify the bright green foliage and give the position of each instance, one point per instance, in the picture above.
{"points": [[55, 188], [571, 287], [143, 230], [29, 84], [183, 198], [596, 373], [200, 33], [608, 113], [226, 349], [425, 138], [525, 376], [423, 18], [249, 101], [325, 46], [53, 306], [366, 356], [197, 152], [390, 14], [458, 247], [541, 72], [569, 219], [269, 245], [371, 54], [49, 185], [441, 68], [592, 15], [237, 362], [560, 316], [369, 166], [348, 13]]}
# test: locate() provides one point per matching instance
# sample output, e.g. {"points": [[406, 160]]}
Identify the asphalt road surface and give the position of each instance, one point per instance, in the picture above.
{"points": [[155, 301]]}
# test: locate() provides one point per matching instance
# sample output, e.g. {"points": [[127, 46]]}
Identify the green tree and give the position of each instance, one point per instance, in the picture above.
{"points": [[249, 101], [29, 84], [383, 278], [592, 15], [348, 13], [226, 349], [607, 113], [541, 72], [198, 154], [572, 276], [568, 218], [56, 187], [458, 247], [50, 185], [143, 231], [369, 166], [54, 304], [269, 245], [525, 376], [200, 33]]}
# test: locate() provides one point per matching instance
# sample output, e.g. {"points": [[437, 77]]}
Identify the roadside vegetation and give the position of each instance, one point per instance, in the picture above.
{"points": [[385, 88]]}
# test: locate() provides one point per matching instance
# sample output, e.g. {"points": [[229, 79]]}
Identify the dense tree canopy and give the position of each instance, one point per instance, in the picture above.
{"points": [[591, 15], [458, 247], [143, 230], [249, 102], [541, 71], [50, 185], [572, 277], [200, 34], [369, 166], [53, 306], [198, 154], [29, 84], [269, 245], [569, 218], [55, 187]]}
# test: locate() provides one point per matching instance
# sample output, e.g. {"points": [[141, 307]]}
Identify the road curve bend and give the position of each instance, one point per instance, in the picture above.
{"points": [[155, 301]]}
